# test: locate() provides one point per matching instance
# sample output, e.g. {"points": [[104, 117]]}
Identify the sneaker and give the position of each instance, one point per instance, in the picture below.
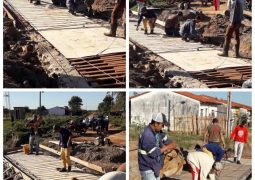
{"points": [[62, 170], [37, 154], [69, 168], [152, 32], [238, 162], [234, 159], [145, 32]]}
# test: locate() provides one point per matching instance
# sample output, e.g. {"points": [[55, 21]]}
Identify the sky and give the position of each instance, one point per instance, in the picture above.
{"points": [[239, 97], [52, 99]]}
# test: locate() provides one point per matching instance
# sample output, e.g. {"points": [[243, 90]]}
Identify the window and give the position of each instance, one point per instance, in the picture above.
{"points": [[213, 113], [201, 112]]}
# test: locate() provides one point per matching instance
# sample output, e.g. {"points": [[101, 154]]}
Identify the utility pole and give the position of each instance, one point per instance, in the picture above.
{"points": [[228, 113], [7, 102], [40, 102]]}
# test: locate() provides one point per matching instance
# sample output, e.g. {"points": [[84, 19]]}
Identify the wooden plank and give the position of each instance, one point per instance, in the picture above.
{"points": [[84, 163]]}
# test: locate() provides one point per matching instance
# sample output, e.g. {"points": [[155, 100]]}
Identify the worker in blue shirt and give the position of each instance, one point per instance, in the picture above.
{"points": [[188, 29], [65, 143], [149, 17], [214, 150], [151, 148]]}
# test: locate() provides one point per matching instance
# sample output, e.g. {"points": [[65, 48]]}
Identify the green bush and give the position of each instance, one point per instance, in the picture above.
{"points": [[118, 121]]}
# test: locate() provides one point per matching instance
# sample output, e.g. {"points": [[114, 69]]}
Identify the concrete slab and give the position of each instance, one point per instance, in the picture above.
{"points": [[44, 167], [189, 56], [73, 36]]}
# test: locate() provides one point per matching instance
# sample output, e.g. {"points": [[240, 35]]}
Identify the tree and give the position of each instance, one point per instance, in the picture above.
{"points": [[120, 101], [75, 104], [105, 106]]}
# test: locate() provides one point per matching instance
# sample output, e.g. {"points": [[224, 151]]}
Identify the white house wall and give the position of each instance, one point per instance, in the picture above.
{"points": [[143, 106], [207, 109]]}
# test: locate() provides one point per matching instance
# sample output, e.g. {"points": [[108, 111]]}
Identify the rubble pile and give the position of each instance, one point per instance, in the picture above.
{"points": [[104, 154], [143, 71], [102, 5], [22, 68]]}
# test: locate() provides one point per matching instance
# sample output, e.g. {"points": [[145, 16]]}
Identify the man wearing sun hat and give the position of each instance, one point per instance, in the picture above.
{"points": [[150, 148]]}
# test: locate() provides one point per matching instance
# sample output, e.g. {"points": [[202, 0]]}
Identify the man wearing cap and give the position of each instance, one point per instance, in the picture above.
{"points": [[151, 148], [65, 142]]}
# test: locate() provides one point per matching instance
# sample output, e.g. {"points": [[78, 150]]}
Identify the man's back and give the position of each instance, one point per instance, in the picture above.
{"points": [[214, 133], [172, 22]]}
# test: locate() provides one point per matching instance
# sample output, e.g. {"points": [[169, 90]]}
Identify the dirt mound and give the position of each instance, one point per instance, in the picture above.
{"points": [[104, 154], [22, 67], [102, 5]]}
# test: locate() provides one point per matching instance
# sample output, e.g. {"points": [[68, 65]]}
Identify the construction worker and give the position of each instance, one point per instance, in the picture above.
{"points": [[213, 150], [34, 125], [188, 29], [202, 165], [235, 10], [71, 6], [172, 25], [65, 143], [214, 133], [216, 5], [240, 136], [106, 123], [148, 17], [116, 14], [149, 151], [140, 5]]}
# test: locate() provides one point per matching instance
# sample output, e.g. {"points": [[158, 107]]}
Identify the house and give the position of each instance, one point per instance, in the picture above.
{"points": [[212, 106], [58, 111], [142, 106], [19, 112], [185, 111]]}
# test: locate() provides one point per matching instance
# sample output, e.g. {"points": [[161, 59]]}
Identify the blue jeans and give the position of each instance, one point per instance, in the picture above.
{"points": [[148, 175], [34, 139]]}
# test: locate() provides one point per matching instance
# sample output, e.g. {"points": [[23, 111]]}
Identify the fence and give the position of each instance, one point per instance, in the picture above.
{"points": [[194, 124]]}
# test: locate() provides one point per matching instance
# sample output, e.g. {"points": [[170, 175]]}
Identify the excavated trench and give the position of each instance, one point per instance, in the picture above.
{"points": [[22, 65], [30, 61]]}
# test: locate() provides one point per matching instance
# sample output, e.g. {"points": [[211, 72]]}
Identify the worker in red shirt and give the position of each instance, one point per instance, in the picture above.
{"points": [[240, 136]]}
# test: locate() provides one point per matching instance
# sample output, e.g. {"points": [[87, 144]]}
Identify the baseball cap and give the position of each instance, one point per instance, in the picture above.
{"points": [[160, 118]]}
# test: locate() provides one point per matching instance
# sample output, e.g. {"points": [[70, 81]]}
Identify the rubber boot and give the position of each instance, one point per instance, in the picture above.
{"points": [[225, 51], [112, 31], [237, 55]]}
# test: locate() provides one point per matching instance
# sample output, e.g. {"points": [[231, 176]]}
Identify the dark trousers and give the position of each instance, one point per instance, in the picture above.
{"points": [[172, 31], [232, 30]]}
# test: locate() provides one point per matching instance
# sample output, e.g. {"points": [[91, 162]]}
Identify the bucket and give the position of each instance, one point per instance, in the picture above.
{"points": [[26, 148]]}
